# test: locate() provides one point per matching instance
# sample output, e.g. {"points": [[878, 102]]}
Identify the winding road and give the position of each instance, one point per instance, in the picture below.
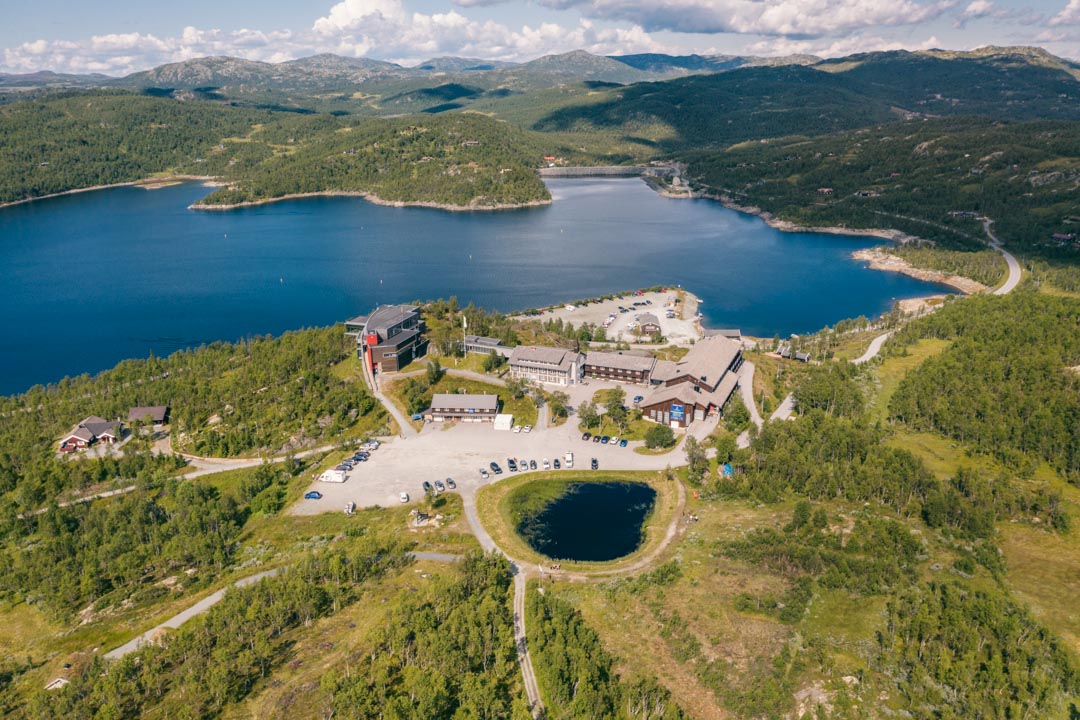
{"points": [[1014, 267]]}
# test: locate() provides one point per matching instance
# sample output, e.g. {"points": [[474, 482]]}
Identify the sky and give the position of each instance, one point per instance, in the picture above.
{"points": [[118, 37]]}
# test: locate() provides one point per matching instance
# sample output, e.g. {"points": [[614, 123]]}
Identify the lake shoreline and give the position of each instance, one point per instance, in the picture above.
{"points": [[145, 183], [375, 200], [878, 259]]}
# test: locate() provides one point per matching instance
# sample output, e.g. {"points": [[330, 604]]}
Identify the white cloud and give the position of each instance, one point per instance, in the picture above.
{"points": [[762, 17], [1069, 15], [836, 48]]}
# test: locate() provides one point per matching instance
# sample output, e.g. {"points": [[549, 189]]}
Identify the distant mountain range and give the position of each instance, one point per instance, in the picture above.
{"points": [[331, 83]]}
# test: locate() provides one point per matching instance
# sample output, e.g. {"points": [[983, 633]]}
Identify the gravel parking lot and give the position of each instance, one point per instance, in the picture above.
{"points": [[676, 330], [459, 452]]}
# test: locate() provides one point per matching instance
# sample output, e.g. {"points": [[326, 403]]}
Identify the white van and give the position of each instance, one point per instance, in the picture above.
{"points": [[568, 460]]}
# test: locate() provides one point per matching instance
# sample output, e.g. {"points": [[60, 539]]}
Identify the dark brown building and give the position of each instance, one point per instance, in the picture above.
{"points": [[393, 337], [699, 384], [619, 367]]}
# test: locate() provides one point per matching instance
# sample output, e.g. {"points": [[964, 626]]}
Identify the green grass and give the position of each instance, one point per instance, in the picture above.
{"points": [[892, 371], [523, 409]]}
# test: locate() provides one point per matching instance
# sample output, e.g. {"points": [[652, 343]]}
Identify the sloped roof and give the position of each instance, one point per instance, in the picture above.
{"points": [[619, 361], [540, 357], [462, 401], [154, 412]]}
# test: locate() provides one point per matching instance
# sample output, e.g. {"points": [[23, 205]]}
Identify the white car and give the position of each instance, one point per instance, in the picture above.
{"points": [[547, 465], [517, 428], [404, 496], [614, 440], [528, 428]]}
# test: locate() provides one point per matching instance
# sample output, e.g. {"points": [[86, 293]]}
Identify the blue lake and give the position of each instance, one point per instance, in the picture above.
{"points": [[90, 279]]}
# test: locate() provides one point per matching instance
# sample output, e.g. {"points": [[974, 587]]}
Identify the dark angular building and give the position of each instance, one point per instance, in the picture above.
{"points": [[393, 337]]}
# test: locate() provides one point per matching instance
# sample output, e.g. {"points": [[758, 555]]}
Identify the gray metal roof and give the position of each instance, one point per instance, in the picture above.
{"points": [[461, 401], [387, 316], [543, 357], [618, 361]]}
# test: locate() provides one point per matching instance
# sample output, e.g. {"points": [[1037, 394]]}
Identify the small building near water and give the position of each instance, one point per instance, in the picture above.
{"points": [[464, 407], [393, 336], [619, 367], [157, 415], [554, 366]]}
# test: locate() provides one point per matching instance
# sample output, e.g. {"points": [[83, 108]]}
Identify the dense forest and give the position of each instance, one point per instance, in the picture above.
{"points": [[1006, 385]]}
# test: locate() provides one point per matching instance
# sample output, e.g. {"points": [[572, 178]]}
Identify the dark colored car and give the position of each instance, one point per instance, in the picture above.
{"points": [[427, 486], [313, 495], [512, 465], [604, 440], [532, 464], [495, 468], [555, 464], [595, 464], [622, 443], [451, 484], [586, 436], [638, 399], [596, 438]]}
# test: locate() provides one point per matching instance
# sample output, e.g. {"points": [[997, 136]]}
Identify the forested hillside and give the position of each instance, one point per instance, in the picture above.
{"points": [[261, 395], [79, 141], [1006, 385], [912, 176]]}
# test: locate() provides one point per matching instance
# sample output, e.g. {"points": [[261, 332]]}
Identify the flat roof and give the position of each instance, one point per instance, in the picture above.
{"points": [[481, 340], [463, 401], [388, 316]]}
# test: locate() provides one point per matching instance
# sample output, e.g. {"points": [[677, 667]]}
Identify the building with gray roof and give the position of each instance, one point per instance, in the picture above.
{"points": [[553, 366]]}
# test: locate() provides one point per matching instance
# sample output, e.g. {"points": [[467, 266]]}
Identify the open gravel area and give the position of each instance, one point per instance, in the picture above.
{"points": [[677, 330]]}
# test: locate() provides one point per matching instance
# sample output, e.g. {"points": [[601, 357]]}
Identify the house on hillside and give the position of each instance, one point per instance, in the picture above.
{"points": [[92, 430], [393, 336], [464, 407], [158, 415]]}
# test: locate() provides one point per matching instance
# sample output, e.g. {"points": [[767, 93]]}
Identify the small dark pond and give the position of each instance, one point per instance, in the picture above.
{"points": [[591, 521]]}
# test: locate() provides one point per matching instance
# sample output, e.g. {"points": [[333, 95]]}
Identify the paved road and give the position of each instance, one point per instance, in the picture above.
{"points": [[746, 391], [875, 347], [1014, 267], [787, 406]]}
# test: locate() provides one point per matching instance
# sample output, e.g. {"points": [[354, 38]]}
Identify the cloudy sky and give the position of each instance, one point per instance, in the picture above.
{"points": [[122, 36]]}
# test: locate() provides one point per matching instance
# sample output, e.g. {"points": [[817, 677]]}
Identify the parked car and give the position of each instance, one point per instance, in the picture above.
{"points": [[586, 436], [313, 495], [638, 399], [532, 464], [556, 464], [604, 440], [512, 465], [614, 440], [517, 428], [417, 417], [427, 487], [546, 464], [404, 496], [439, 487], [451, 484], [622, 443], [484, 474], [595, 464], [596, 438], [527, 428], [495, 468]]}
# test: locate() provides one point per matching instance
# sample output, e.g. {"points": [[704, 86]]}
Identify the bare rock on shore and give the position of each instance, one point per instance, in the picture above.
{"points": [[880, 260]]}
